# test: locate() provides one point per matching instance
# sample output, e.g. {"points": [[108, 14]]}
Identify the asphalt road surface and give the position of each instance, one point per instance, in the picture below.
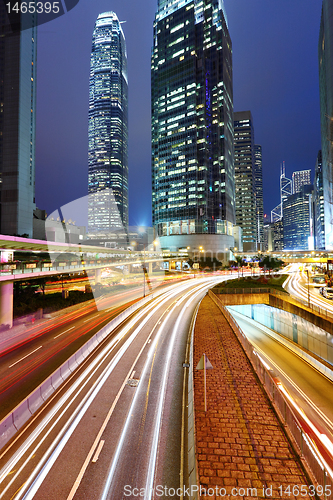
{"points": [[116, 426]]}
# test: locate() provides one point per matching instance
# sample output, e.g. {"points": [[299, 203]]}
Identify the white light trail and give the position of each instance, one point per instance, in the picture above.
{"points": [[25, 356], [43, 467]]}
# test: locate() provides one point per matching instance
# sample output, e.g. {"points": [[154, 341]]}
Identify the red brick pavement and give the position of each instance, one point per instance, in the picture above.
{"points": [[239, 441]]}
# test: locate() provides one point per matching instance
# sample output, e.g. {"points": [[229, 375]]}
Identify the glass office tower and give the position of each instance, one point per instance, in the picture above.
{"points": [[325, 51], [246, 207], [108, 132], [259, 193], [18, 78], [192, 126]]}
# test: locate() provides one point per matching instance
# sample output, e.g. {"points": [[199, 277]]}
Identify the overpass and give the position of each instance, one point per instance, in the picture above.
{"points": [[291, 256], [46, 258]]}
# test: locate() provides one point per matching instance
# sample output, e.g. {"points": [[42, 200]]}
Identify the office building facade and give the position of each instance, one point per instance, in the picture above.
{"points": [[18, 72], [318, 195], [192, 126], [298, 220], [259, 194], [245, 183], [299, 179], [108, 128], [325, 56]]}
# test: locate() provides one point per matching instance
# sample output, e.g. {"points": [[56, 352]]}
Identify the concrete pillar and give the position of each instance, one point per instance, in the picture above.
{"points": [[150, 268], [6, 303], [98, 276]]}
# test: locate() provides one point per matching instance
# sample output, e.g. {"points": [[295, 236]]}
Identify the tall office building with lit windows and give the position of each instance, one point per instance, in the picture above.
{"points": [[18, 74], [325, 51], [108, 129], [246, 206], [259, 194], [192, 127]]}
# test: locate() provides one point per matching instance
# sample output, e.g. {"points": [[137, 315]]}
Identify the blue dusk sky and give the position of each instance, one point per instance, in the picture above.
{"points": [[275, 72]]}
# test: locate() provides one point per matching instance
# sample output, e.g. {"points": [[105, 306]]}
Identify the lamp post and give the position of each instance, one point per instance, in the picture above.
{"points": [[307, 272]]}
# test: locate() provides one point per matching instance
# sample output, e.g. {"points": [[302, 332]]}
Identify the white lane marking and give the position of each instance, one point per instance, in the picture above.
{"points": [[85, 321], [132, 374], [51, 455], [152, 461], [64, 332], [42, 470], [98, 451], [25, 356]]}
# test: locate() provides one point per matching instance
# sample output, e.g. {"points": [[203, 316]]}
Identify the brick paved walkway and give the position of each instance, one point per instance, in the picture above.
{"points": [[240, 442]]}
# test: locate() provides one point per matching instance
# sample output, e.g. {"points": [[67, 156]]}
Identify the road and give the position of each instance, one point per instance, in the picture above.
{"points": [[312, 391], [30, 356], [297, 286], [116, 424]]}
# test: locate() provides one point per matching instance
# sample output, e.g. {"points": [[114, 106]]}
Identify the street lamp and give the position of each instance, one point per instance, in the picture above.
{"points": [[307, 272]]}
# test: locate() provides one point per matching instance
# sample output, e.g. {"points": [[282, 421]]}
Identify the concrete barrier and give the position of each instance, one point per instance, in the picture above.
{"points": [[35, 401], [46, 388], [21, 414], [191, 448], [57, 379], [72, 364], [65, 370], [7, 430]]}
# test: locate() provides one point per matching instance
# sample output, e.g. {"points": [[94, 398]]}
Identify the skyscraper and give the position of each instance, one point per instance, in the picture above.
{"points": [[259, 193], [192, 126], [286, 189], [319, 218], [299, 179], [18, 69], [246, 210], [108, 134], [298, 220], [325, 56]]}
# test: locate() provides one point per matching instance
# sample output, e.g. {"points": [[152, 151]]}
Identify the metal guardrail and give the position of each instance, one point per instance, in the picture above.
{"points": [[306, 448], [237, 291], [256, 290], [321, 311]]}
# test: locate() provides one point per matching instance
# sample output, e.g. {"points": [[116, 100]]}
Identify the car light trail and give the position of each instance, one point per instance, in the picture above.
{"points": [[318, 438], [158, 412], [49, 457]]}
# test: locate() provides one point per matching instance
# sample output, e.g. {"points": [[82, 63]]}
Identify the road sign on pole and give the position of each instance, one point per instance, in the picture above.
{"points": [[204, 364]]}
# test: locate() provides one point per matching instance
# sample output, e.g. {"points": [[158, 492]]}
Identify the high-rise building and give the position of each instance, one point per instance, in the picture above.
{"points": [[18, 71], [108, 129], [318, 195], [277, 229], [192, 126], [325, 51], [286, 189], [259, 193], [246, 208], [298, 220], [299, 179]]}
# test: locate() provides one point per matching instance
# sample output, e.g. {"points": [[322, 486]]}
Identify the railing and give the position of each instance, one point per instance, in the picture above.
{"points": [[16, 268], [307, 450], [236, 291], [321, 311]]}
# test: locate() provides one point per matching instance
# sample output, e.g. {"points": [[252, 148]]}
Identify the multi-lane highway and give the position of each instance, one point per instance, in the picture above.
{"points": [[118, 423]]}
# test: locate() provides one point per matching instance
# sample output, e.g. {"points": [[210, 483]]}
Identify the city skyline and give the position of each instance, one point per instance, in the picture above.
{"points": [[276, 96]]}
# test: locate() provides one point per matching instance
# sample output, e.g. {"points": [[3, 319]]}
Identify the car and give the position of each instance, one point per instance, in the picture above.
{"points": [[327, 292]]}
